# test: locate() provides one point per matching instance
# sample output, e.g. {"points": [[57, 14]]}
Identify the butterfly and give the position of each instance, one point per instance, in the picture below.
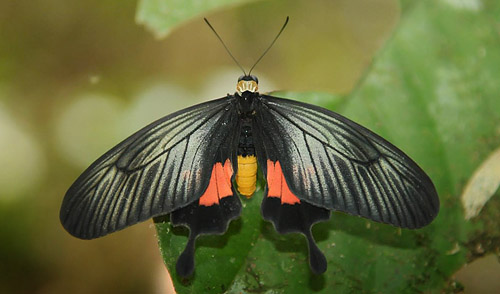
{"points": [[195, 163]]}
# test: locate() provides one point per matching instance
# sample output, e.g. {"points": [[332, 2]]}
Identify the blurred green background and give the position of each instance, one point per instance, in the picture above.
{"points": [[76, 78]]}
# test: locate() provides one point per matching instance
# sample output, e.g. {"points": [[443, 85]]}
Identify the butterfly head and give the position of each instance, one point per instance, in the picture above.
{"points": [[247, 83]]}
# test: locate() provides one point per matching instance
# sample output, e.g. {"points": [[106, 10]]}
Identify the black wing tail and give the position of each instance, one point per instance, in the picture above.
{"points": [[297, 218], [203, 220]]}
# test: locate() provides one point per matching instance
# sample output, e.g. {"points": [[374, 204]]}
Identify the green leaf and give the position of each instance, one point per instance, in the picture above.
{"points": [[433, 92], [161, 16]]}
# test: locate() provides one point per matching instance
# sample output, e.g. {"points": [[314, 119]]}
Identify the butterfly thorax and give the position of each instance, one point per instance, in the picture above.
{"points": [[246, 107], [246, 92]]}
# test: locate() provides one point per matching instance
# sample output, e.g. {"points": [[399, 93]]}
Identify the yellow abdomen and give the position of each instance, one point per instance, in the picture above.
{"points": [[246, 177]]}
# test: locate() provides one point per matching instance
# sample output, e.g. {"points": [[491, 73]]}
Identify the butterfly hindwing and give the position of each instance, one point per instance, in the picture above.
{"points": [[280, 205], [217, 206], [315, 160], [163, 167], [334, 163]]}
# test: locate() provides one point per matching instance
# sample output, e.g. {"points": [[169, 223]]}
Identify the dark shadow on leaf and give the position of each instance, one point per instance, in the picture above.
{"points": [[185, 281], [321, 231], [162, 219], [317, 282], [293, 242], [219, 241]]}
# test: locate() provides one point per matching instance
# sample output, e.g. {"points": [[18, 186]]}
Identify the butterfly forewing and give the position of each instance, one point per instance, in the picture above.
{"points": [[334, 163], [163, 167]]}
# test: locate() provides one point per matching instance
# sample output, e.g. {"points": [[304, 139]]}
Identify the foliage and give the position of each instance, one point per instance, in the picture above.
{"points": [[433, 92], [160, 16]]}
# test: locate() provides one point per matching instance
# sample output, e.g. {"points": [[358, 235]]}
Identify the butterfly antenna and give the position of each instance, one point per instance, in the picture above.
{"points": [[223, 44], [272, 43]]}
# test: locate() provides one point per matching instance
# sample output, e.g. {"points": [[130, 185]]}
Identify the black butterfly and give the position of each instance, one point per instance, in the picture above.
{"points": [[189, 164]]}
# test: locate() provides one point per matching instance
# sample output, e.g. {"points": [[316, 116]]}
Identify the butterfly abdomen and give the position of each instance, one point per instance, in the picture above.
{"points": [[246, 177]]}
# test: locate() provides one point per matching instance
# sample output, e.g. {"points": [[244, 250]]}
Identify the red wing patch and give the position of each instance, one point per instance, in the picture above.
{"points": [[219, 185], [277, 186]]}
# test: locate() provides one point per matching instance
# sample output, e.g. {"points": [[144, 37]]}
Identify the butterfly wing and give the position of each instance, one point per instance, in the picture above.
{"points": [[331, 162], [163, 167]]}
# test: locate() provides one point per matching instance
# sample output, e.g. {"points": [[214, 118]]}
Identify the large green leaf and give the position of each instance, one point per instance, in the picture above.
{"points": [[160, 16], [433, 91]]}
